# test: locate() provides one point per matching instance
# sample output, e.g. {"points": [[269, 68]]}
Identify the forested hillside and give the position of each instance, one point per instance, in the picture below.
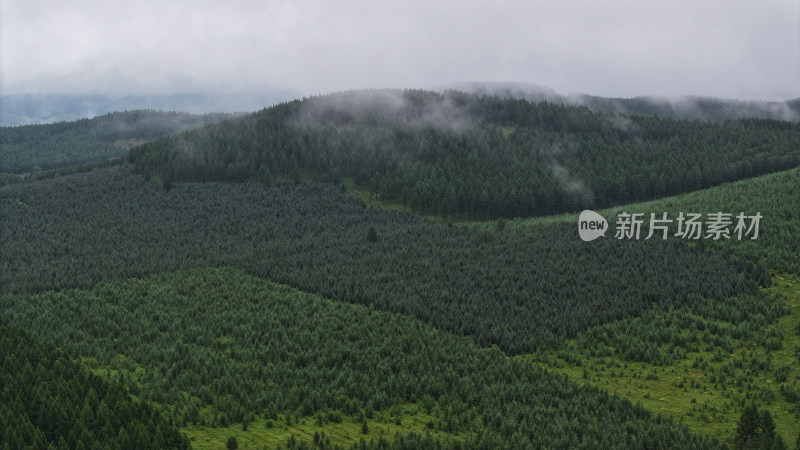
{"points": [[246, 347], [41, 147], [692, 107], [467, 156], [514, 288], [224, 281], [49, 401], [773, 196], [680, 107], [703, 363]]}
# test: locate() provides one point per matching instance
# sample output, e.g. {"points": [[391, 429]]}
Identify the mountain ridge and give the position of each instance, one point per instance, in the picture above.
{"points": [[677, 107], [36, 108], [32, 109]]}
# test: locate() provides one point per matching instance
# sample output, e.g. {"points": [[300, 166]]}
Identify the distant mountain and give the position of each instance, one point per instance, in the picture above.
{"points": [[27, 109], [31, 148], [681, 107]]}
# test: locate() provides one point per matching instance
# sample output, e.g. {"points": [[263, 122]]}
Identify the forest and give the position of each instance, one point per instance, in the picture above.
{"points": [[49, 401], [774, 196], [397, 269], [32, 148], [516, 288], [251, 348], [458, 155], [682, 107]]}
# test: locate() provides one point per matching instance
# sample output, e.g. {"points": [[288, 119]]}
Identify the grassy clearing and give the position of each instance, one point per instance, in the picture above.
{"points": [[364, 193], [270, 433], [690, 390]]}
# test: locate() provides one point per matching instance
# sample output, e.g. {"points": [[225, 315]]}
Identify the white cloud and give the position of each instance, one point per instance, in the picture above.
{"points": [[737, 49]]}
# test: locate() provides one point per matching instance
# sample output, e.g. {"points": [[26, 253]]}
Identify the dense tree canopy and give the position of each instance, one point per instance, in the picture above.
{"points": [[246, 346], [462, 155], [773, 197], [154, 271], [516, 288], [49, 401]]}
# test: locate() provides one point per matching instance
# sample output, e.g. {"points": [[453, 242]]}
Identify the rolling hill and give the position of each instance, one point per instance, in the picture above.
{"points": [[518, 289], [42, 108], [681, 107], [34, 148], [225, 281], [474, 157]]}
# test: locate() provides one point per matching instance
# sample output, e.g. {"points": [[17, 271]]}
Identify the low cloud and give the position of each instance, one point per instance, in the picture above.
{"points": [[410, 111], [573, 186], [745, 50], [623, 123]]}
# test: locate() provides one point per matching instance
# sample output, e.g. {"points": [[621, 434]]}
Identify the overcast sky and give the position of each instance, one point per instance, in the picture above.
{"points": [[722, 48]]}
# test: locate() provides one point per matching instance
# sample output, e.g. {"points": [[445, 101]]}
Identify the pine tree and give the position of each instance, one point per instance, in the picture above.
{"points": [[756, 429], [372, 235], [767, 426], [747, 427]]}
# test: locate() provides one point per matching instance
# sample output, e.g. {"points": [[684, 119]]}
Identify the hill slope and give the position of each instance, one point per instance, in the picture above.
{"points": [[41, 147], [516, 288], [468, 156], [773, 196], [244, 346], [681, 107], [49, 401], [31, 109]]}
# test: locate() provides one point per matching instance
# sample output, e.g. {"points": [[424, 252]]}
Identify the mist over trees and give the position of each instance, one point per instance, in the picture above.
{"points": [[224, 276], [41, 108], [477, 157], [680, 107]]}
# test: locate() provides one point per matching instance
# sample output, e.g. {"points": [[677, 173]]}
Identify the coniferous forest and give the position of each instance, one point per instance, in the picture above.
{"points": [[478, 157], [517, 289], [391, 269], [32, 148]]}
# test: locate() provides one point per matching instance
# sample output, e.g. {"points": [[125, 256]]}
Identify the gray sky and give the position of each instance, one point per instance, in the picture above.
{"points": [[723, 48]]}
